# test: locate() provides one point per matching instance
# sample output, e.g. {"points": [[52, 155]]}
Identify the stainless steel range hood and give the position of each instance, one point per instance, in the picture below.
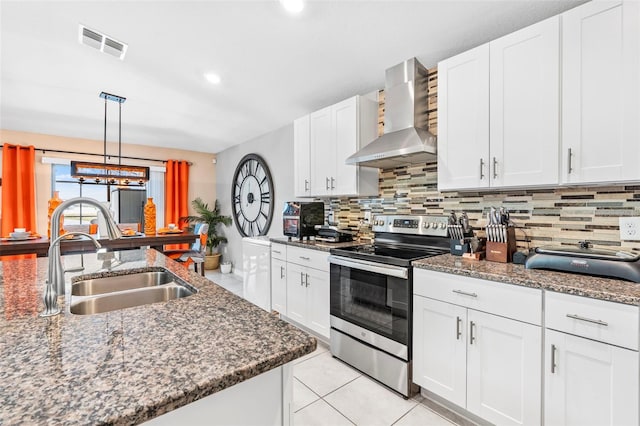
{"points": [[406, 139]]}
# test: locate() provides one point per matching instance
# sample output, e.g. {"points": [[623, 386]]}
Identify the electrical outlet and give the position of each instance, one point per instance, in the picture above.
{"points": [[629, 228], [367, 216]]}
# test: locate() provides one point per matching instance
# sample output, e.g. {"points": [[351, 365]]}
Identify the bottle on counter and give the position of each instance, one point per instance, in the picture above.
{"points": [[150, 217], [53, 203]]}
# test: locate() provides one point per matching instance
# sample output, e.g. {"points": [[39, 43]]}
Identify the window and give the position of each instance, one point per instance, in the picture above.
{"points": [[69, 187], [82, 214]]}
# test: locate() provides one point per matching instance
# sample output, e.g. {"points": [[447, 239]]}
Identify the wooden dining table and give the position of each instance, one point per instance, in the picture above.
{"points": [[40, 246]]}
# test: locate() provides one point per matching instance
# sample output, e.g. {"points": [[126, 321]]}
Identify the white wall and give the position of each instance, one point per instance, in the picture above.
{"points": [[276, 148]]}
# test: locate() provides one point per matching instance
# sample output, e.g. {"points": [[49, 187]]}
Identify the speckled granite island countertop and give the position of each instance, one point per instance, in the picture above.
{"points": [[581, 285], [316, 245], [130, 365]]}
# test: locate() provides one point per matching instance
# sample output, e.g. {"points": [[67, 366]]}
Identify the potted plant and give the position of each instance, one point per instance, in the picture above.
{"points": [[213, 218]]}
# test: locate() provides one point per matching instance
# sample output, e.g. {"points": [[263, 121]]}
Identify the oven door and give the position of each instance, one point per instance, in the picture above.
{"points": [[373, 296]]}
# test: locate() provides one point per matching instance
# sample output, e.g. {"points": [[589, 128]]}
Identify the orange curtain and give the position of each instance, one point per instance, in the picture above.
{"points": [[176, 196], [18, 188]]}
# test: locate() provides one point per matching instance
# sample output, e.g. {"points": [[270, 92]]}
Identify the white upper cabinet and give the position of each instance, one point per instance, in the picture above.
{"points": [[525, 106], [463, 120], [335, 133], [322, 149], [301, 157], [498, 112], [601, 92]]}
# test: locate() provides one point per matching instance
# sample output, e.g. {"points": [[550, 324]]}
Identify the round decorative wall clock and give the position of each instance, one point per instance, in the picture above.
{"points": [[252, 196]]}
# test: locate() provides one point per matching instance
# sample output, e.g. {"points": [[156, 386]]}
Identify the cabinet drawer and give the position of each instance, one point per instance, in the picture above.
{"points": [[608, 322], [279, 251], [507, 300], [308, 257]]}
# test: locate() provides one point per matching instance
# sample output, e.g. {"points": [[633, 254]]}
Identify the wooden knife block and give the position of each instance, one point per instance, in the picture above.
{"points": [[502, 252]]}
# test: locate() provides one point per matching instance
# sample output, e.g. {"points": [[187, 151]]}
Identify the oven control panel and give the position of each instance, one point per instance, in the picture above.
{"points": [[433, 225]]}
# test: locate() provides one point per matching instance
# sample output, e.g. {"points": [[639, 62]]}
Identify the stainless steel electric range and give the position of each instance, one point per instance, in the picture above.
{"points": [[371, 296]]}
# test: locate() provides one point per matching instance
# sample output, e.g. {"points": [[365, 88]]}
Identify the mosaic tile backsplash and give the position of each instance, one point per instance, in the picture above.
{"points": [[542, 217]]}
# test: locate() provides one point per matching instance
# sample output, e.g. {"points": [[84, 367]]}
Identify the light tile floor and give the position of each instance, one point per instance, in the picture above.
{"points": [[328, 392]]}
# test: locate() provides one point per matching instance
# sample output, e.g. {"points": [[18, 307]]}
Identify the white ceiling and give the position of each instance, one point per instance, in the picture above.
{"points": [[274, 67]]}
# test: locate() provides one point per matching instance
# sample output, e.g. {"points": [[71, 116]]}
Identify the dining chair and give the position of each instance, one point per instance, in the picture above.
{"points": [[196, 253]]}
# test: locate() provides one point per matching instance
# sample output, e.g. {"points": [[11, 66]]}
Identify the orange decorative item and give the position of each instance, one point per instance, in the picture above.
{"points": [[54, 202], [150, 217]]}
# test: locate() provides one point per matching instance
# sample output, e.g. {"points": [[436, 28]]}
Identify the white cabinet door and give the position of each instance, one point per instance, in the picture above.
{"points": [[439, 347], [322, 152], [504, 381], [345, 127], [296, 293], [317, 286], [302, 157], [279, 286], [591, 383], [601, 92], [463, 120], [525, 106]]}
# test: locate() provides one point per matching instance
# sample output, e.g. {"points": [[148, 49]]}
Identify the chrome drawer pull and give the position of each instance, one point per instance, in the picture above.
{"points": [[276, 252], [305, 258], [481, 169], [553, 359], [579, 318], [458, 331], [472, 326], [464, 293]]}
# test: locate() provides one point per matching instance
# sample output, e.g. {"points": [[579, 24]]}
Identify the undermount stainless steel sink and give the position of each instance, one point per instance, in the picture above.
{"points": [[104, 285], [98, 295]]}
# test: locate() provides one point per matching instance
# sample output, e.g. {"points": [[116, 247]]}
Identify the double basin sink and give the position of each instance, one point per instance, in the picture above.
{"points": [[105, 294]]}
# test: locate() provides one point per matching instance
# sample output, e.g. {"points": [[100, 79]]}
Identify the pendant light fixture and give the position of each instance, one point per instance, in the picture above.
{"points": [[105, 173]]}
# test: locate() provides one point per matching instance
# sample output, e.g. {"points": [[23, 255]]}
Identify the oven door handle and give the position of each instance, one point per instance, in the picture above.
{"points": [[389, 270]]}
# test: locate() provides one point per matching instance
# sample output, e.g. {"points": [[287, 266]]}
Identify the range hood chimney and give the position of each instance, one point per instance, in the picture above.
{"points": [[406, 139]]}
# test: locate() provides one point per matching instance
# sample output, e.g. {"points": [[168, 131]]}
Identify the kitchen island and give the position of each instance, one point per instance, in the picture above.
{"points": [[132, 365]]}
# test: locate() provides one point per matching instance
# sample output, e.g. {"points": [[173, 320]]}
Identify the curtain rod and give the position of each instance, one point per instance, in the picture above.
{"points": [[45, 150]]}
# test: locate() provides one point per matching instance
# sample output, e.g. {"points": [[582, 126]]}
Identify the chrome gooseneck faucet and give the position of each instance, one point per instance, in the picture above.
{"points": [[55, 281]]}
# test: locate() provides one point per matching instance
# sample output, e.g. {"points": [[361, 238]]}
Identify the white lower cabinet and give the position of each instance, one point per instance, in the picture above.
{"points": [[300, 286], [279, 285], [589, 382], [467, 352], [503, 369], [591, 362], [308, 298]]}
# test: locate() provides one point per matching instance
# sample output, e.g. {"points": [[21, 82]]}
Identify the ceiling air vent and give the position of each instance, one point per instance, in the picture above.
{"points": [[102, 42]]}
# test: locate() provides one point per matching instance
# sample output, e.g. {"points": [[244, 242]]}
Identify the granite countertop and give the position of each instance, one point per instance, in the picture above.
{"points": [[317, 245], [613, 290], [130, 365]]}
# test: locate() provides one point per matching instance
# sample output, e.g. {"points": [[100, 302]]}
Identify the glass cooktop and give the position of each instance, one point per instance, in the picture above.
{"points": [[394, 255]]}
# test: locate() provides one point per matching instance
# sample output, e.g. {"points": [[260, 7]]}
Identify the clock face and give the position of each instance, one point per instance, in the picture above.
{"points": [[252, 196]]}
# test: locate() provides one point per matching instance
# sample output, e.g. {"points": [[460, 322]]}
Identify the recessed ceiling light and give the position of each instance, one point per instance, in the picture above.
{"points": [[292, 6], [212, 78]]}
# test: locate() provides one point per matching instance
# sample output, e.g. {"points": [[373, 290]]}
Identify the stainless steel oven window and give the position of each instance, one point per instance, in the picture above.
{"points": [[374, 301]]}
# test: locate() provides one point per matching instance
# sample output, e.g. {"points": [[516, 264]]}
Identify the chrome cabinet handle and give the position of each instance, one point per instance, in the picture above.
{"points": [[553, 359], [495, 168], [306, 280], [282, 272], [301, 278], [326, 184], [276, 251], [569, 168], [306, 185], [332, 185], [458, 331], [304, 258], [594, 321], [472, 338], [481, 169], [464, 293]]}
